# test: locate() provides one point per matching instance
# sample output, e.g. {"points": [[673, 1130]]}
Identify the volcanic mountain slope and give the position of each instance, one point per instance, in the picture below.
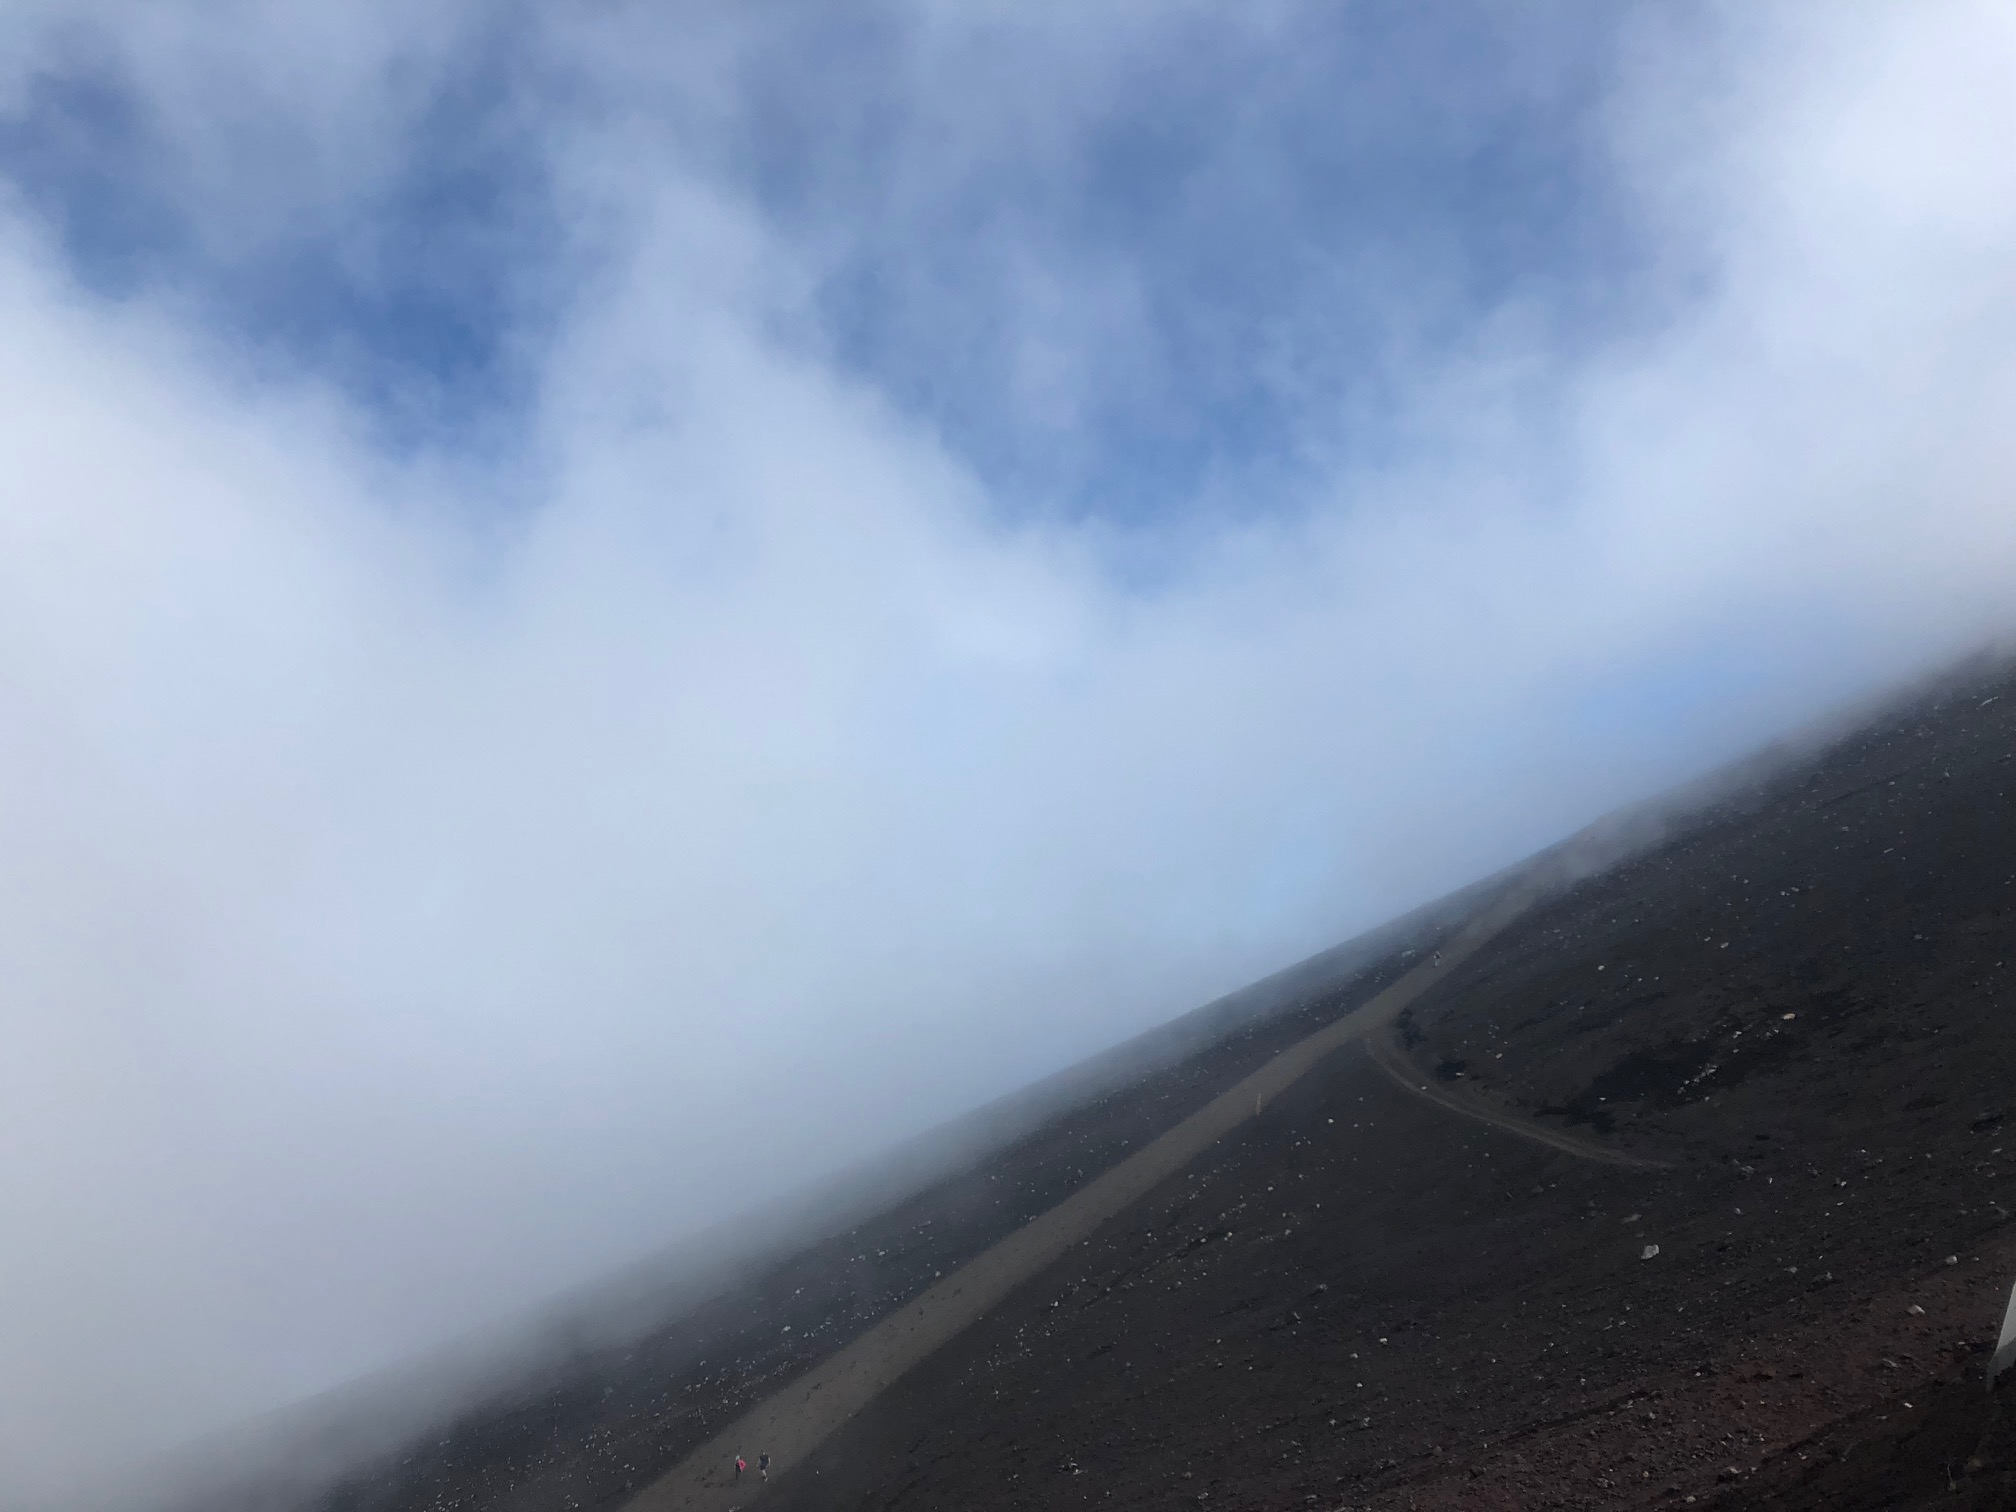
{"points": [[588, 1429], [1792, 1014], [1801, 1001]]}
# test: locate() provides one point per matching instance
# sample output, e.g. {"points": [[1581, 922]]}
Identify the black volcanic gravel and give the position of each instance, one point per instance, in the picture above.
{"points": [[608, 1421], [1801, 998], [1420, 1311]]}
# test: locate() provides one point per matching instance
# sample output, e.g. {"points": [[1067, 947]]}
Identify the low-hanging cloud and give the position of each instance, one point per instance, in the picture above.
{"points": [[432, 876]]}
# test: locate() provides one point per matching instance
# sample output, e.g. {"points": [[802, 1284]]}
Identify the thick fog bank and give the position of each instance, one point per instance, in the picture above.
{"points": [[603, 616]]}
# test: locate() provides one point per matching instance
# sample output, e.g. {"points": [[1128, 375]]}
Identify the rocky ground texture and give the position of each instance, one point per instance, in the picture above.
{"points": [[1798, 1003]]}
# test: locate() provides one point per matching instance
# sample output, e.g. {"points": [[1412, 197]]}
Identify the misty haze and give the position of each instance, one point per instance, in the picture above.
{"points": [[705, 704]]}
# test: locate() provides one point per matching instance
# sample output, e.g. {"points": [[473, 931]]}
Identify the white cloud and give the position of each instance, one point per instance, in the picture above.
{"points": [[404, 917]]}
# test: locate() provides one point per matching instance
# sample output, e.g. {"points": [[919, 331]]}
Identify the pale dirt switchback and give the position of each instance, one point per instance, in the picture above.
{"points": [[798, 1418]]}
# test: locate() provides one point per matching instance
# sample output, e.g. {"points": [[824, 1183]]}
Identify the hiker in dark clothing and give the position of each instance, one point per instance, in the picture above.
{"points": [[763, 1465]]}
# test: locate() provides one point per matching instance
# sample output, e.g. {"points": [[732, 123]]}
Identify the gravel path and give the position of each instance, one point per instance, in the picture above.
{"points": [[1383, 1049], [797, 1419]]}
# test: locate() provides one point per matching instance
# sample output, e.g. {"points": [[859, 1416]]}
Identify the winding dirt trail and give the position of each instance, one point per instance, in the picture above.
{"points": [[1383, 1048], [803, 1414]]}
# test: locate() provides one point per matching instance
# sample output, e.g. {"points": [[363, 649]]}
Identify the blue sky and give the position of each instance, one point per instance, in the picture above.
{"points": [[1281, 214], [603, 609], [416, 296]]}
